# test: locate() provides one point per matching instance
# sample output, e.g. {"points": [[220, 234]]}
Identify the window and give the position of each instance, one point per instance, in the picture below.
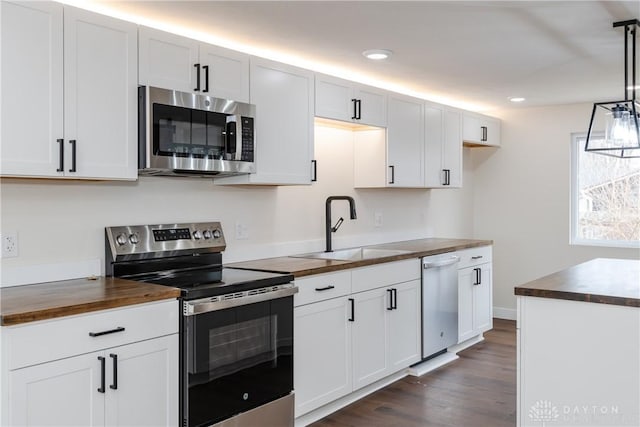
{"points": [[605, 198]]}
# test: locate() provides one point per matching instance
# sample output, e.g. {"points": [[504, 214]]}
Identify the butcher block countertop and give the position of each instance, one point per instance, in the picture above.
{"points": [[601, 280], [300, 267], [21, 304]]}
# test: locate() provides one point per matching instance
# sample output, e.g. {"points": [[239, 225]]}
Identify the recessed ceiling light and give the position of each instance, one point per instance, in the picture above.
{"points": [[377, 54], [517, 99]]}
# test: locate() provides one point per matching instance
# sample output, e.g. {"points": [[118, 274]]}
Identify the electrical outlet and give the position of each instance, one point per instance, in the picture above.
{"points": [[242, 231], [9, 244], [377, 219]]}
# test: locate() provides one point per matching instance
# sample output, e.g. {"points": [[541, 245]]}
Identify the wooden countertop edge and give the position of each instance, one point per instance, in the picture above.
{"points": [[338, 265], [85, 307], [575, 296]]}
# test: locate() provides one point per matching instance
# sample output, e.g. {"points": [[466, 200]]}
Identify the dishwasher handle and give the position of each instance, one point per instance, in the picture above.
{"points": [[437, 264]]}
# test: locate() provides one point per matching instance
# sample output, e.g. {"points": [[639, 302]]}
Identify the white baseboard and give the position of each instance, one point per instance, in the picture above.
{"points": [[505, 313], [432, 364]]}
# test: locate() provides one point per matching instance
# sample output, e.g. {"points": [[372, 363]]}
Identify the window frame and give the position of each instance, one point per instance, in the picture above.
{"points": [[577, 144]]}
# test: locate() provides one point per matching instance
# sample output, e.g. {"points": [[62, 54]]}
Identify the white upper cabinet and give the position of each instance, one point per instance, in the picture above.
{"points": [[394, 159], [283, 96], [443, 147], [100, 96], [74, 72], [32, 85], [480, 130], [348, 101], [405, 142], [173, 62]]}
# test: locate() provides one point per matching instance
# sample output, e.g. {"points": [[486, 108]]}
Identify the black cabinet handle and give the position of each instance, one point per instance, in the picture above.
{"points": [[355, 109], [61, 157], [314, 163], [326, 288], [206, 78], [111, 331], [395, 298], [353, 310], [390, 292], [359, 115], [114, 357], [197, 77], [447, 176], [73, 155], [102, 362], [476, 257], [393, 175], [484, 133], [478, 276]]}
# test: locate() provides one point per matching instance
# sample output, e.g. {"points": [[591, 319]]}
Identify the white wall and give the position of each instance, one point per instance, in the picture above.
{"points": [[522, 196], [63, 221]]}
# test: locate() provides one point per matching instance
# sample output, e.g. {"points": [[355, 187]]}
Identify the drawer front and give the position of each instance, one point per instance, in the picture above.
{"points": [[44, 341], [322, 287], [389, 273], [474, 256]]}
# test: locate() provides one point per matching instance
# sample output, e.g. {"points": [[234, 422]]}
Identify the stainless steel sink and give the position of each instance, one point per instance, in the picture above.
{"points": [[353, 254]]}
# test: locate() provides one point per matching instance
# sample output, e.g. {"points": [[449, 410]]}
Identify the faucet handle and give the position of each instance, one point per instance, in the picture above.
{"points": [[338, 224]]}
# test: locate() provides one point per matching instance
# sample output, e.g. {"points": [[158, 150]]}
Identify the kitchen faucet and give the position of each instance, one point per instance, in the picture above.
{"points": [[328, 228]]}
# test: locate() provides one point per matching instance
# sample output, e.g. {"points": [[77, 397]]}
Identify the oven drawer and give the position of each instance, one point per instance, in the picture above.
{"points": [[39, 342], [474, 256], [322, 287]]}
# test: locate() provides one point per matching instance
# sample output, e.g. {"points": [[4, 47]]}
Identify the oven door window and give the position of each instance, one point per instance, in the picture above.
{"points": [[238, 359], [185, 132]]}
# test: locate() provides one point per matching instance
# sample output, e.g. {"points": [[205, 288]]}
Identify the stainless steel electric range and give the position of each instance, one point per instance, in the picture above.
{"points": [[236, 332]]}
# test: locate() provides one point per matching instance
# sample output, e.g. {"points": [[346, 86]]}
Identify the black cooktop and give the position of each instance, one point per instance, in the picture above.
{"points": [[212, 282]]}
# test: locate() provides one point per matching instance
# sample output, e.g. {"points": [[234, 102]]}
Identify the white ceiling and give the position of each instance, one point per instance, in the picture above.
{"points": [[473, 54]]}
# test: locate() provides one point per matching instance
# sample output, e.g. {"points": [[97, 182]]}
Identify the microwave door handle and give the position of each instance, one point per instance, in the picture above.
{"points": [[237, 134]]}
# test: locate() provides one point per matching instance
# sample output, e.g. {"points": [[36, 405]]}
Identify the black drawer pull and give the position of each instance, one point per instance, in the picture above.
{"points": [[352, 302], [390, 292], [111, 331], [326, 288], [476, 257]]}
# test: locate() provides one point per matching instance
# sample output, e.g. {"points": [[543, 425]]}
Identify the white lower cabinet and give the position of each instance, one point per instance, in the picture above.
{"points": [[120, 383], [362, 326], [475, 293]]}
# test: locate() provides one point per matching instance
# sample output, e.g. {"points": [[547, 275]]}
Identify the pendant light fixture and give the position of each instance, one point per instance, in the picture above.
{"points": [[620, 120]]}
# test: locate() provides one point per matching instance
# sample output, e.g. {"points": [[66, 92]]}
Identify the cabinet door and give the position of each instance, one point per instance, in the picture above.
{"points": [[228, 72], [471, 128], [145, 377], [466, 280], [405, 142], [403, 326], [483, 300], [452, 149], [334, 98], [31, 85], [283, 96], [433, 145], [492, 132], [322, 353], [60, 393], [167, 60], [100, 96], [369, 337], [373, 106]]}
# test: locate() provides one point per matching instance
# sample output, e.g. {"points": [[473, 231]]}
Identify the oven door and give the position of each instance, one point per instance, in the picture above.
{"points": [[236, 359]]}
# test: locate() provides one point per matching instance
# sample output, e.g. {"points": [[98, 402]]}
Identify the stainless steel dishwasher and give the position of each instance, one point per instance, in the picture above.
{"points": [[439, 303]]}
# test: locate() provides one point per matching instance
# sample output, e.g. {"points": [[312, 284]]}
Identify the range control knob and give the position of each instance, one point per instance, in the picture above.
{"points": [[121, 239], [217, 233], [207, 234], [197, 235], [133, 238]]}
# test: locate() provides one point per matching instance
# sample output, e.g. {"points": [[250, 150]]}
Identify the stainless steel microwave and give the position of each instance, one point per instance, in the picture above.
{"points": [[194, 135]]}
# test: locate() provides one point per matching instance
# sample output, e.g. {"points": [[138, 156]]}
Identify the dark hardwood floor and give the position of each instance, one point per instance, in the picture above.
{"points": [[478, 389]]}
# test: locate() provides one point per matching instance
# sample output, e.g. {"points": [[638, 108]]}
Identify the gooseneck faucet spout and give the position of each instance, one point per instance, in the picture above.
{"points": [[328, 228]]}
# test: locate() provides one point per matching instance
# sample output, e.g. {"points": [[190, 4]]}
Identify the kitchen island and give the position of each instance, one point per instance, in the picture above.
{"points": [[578, 342]]}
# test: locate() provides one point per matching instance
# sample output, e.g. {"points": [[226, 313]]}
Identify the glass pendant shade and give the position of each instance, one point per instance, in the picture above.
{"points": [[614, 129]]}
